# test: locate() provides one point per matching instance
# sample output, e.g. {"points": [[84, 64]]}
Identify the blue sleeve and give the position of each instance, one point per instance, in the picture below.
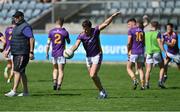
{"points": [[27, 31], [159, 35]]}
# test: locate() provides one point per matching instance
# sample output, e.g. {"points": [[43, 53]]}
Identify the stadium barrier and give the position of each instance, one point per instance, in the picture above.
{"points": [[113, 46]]}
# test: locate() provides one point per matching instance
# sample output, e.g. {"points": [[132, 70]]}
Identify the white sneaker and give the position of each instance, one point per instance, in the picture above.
{"points": [[8, 81], [11, 94], [23, 94], [102, 94]]}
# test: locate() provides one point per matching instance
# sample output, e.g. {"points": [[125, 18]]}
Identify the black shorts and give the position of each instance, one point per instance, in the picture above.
{"points": [[20, 62]]}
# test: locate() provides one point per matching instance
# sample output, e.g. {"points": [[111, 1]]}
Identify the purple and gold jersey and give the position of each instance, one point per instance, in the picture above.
{"points": [[168, 38], [91, 43], [137, 40], [57, 38], [8, 36]]}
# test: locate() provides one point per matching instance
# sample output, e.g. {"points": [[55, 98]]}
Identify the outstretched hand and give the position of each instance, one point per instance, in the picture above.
{"points": [[116, 14]]}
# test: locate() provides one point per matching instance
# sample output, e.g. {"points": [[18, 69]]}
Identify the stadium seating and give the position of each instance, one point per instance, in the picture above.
{"points": [[31, 9]]}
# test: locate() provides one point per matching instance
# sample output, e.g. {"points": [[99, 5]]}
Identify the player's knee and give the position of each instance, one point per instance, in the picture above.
{"points": [[9, 65]]}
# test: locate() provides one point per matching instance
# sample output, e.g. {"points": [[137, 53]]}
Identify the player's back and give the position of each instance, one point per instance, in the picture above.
{"points": [[137, 35], [57, 36]]}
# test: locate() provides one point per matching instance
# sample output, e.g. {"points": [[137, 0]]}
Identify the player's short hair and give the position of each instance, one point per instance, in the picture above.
{"points": [[170, 24], [86, 23], [60, 20], [131, 20], [155, 24], [140, 22]]}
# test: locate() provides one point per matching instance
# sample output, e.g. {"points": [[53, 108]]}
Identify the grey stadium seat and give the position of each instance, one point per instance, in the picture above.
{"points": [[170, 4], [167, 11], [174, 21], [142, 4], [149, 11], [164, 21], [124, 4], [115, 4], [177, 4], [123, 11], [176, 11], [140, 11]]}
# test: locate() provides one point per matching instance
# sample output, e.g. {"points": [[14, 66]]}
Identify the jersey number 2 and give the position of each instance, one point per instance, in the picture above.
{"points": [[57, 39]]}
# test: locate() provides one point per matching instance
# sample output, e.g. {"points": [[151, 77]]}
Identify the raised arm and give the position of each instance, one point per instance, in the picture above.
{"points": [[108, 21], [145, 20]]}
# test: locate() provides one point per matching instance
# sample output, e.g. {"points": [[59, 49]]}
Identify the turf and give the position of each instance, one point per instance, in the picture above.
{"points": [[78, 92]]}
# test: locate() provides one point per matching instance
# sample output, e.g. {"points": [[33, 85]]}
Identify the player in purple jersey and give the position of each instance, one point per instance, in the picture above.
{"points": [[170, 38], [9, 66], [136, 52], [57, 38], [91, 43]]}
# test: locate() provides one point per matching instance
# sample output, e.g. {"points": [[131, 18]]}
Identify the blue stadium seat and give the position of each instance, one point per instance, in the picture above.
{"points": [[40, 6], [11, 12], [7, 6], [28, 13], [15, 5], [4, 13], [32, 5], [36, 12], [23, 5], [47, 5]]}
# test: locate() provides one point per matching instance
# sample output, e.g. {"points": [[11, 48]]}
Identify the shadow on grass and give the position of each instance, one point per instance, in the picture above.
{"points": [[56, 94], [173, 88]]}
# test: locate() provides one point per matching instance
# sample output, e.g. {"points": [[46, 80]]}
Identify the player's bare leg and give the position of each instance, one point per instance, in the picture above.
{"points": [[24, 83], [161, 75], [11, 71], [17, 78], [60, 76], [141, 73], [148, 71], [131, 74], [7, 69], [93, 72], [166, 62], [55, 74]]}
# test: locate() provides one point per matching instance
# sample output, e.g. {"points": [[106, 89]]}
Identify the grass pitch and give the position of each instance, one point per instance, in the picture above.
{"points": [[78, 92]]}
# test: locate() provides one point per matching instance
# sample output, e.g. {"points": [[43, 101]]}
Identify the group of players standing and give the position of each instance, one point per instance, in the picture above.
{"points": [[146, 47], [138, 42]]}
